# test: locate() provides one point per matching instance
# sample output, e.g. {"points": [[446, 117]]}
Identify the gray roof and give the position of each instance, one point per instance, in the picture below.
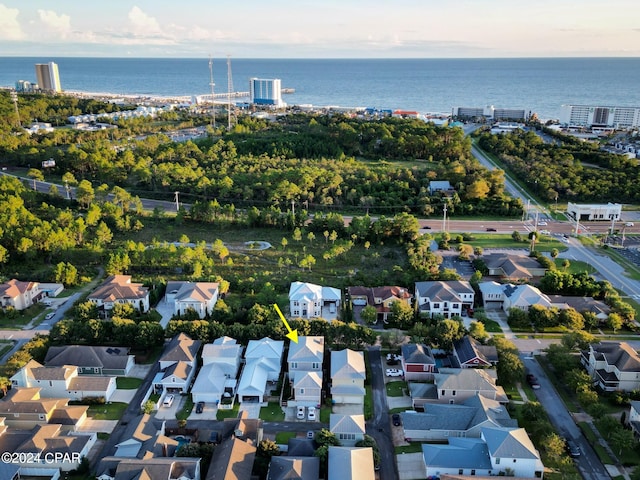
{"points": [[307, 349], [301, 447], [468, 348], [347, 364], [417, 353], [439, 291], [351, 463], [620, 354], [149, 468], [294, 468], [509, 443], [423, 390], [339, 423], [111, 358], [181, 347], [459, 453]]}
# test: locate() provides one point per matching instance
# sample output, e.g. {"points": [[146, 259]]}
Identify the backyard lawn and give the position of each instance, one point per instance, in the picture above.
{"points": [[233, 413], [396, 389], [282, 438]]}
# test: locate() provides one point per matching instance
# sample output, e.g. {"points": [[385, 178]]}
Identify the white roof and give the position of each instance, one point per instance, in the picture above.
{"points": [[264, 348], [253, 380], [491, 287], [210, 379], [312, 292], [308, 380], [347, 364], [308, 350]]}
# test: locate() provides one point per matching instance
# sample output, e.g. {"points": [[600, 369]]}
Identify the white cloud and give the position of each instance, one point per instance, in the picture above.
{"points": [[142, 23], [60, 24], [10, 28]]}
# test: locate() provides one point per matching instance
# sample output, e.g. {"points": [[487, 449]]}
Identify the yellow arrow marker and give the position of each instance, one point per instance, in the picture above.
{"points": [[293, 334]]}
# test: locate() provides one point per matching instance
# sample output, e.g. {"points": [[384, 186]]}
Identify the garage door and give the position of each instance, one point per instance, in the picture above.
{"points": [[493, 305], [360, 302]]}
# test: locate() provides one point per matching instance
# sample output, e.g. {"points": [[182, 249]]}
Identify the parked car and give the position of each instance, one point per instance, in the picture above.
{"points": [[533, 381], [395, 418], [199, 407], [49, 316], [427, 227], [628, 224], [300, 413], [311, 415], [394, 372], [168, 401], [572, 448]]}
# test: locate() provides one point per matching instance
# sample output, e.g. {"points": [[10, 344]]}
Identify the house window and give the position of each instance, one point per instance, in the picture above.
{"points": [[315, 365], [296, 312], [473, 471], [514, 460], [294, 365], [347, 436], [460, 471], [302, 391], [42, 416], [497, 461], [296, 303], [443, 393], [455, 305], [453, 393], [436, 305], [50, 383]]}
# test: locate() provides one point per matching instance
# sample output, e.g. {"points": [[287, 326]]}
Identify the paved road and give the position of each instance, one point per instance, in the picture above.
{"points": [[588, 463], [379, 427]]}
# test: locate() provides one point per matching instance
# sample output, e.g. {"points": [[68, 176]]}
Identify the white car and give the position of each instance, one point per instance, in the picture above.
{"points": [[300, 413], [543, 224], [628, 224], [311, 415], [394, 372], [49, 316], [168, 401]]}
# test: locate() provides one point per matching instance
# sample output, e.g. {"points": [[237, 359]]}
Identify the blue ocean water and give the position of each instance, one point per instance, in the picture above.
{"points": [[541, 85]]}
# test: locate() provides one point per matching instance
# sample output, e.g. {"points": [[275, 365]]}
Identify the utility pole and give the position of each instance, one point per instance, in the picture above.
{"points": [[613, 224], [444, 219], [293, 208], [177, 202]]}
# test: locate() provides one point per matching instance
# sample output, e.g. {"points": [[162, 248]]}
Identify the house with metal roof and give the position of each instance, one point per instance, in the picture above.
{"points": [[307, 300], [200, 297], [348, 374], [349, 429], [512, 449], [263, 364], [468, 456], [417, 361], [440, 422], [306, 355], [613, 366], [470, 353], [444, 298], [351, 463]]}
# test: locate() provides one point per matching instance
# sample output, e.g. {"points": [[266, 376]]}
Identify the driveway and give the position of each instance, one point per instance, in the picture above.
{"points": [[91, 425], [252, 409], [165, 309], [411, 466], [139, 370], [124, 396]]}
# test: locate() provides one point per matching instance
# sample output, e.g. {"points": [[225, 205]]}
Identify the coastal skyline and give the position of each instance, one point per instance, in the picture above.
{"points": [[331, 29]]}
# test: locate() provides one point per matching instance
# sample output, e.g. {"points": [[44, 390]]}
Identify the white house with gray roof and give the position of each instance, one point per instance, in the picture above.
{"points": [[466, 456], [511, 448], [306, 355], [201, 297], [307, 300], [351, 463], [348, 374], [445, 298], [440, 422], [349, 429], [263, 363], [454, 385]]}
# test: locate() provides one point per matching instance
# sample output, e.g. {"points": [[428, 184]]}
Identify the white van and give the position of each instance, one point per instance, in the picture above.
{"points": [[168, 401]]}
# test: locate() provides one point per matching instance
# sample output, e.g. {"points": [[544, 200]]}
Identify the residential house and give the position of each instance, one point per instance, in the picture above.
{"points": [[492, 295], [200, 297], [440, 422], [182, 348], [513, 268], [178, 365], [351, 463], [613, 366], [418, 362], [232, 460], [497, 452], [581, 304], [217, 377], [512, 449], [263, 364], [145, 438], [307, 300], [349, 429], [64, 450], [379, 297], [305, 370], [523, 296], [348, 374], [445, 298], [63, 382], [90, 360], [24, 408], [633, 419], [301, 447], [9, 471], [19, 295], [469, 353], [169, 468], [299, 468], [119, 289], [457, 385], [50, 289]]}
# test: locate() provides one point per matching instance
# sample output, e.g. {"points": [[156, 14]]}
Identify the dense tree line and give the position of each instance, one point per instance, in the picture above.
{"points": [[574, 172]]}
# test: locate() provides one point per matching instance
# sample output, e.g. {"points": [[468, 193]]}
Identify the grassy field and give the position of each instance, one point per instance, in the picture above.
{"points": [[282, 438], [233, 413], [272, 413], [413, 447], [504, 240], [575, 266], [396, 389], [128, 383], [187, 408], [108, 411], [16, 319]]}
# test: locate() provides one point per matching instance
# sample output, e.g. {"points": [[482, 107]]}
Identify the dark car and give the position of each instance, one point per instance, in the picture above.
{"points": [[491, 230], [572, 448], [395, 418], [199, 407], [533, 381], [427, 227]]}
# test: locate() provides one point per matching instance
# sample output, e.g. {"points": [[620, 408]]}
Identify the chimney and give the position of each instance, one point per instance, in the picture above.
{"points": [[165, 452]]}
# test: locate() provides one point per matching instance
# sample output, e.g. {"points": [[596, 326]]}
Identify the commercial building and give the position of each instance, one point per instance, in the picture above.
{"points": [[582, 212], [48, 77], [600, 116], [492, 113], [266, 91]]}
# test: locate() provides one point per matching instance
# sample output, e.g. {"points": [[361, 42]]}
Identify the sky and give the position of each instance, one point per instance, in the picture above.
{"points": [[320, 28]]}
